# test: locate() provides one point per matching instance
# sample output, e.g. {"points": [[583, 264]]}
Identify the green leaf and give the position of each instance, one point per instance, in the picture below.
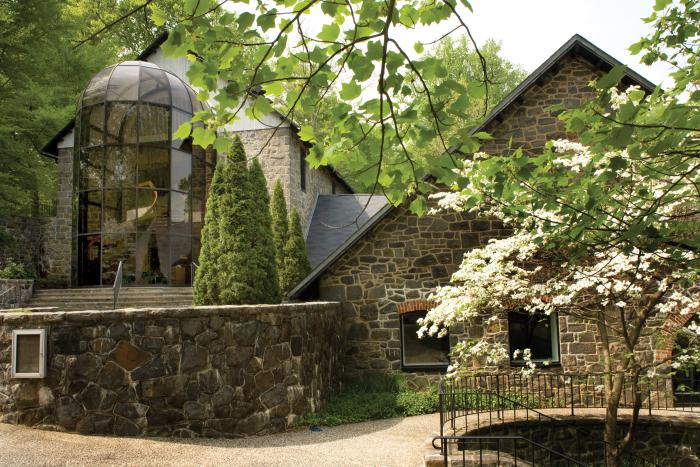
{"points": [[418, 47], [306, 133], [476, 89], [183, 131], [329, 32], [262, 107], [612, 78], [419, 206], [157, 16], [203, 136], [350, 91]]}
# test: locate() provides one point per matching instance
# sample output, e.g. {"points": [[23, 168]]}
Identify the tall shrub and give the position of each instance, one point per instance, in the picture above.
{"points": [[225, 276], [262, 264], [296, 260], [278, 211]]}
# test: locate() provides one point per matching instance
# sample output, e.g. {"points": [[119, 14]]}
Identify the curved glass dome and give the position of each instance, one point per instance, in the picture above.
{"points": [[141, 193]]}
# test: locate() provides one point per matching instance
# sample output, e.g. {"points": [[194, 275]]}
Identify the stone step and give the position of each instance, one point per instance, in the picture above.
{"points": [[101, 298]]}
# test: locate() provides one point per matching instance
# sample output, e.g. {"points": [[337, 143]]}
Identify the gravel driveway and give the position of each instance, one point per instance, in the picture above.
{"points": [[393, 442]]}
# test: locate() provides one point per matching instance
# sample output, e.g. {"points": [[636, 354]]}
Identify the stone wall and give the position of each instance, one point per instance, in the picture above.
{"points": [[527, 122], [212, 371], [15, 293], [279, 153], [666, 440], [28, 241]]}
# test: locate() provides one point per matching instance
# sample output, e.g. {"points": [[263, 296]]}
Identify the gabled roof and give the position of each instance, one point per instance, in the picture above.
{"points": [[337, 223], [578, 46]]}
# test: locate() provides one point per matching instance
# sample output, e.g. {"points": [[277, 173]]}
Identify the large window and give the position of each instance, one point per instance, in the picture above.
{"points": [[535, 331], [426, 353], [141, 193]]}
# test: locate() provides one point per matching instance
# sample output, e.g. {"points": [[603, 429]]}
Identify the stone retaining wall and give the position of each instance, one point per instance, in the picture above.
{"points": [[15, 293], [211, 371]]}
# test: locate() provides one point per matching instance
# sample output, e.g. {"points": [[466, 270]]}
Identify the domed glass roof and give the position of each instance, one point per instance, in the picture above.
{"points": [[140, 81]]}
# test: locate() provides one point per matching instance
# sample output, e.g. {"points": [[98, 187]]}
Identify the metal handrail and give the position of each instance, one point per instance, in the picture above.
{"points": [[193, 269], [503, 404], [463, 440], [117, 286]]}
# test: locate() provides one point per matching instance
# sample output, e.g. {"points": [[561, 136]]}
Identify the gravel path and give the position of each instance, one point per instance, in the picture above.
{"points": [[393, 442]]}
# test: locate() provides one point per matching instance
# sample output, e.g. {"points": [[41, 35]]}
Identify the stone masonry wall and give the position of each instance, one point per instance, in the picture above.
{"points": [[528, 123], [28, 245], [59, 232], [280, 160], [211, 371], [404, 257]]}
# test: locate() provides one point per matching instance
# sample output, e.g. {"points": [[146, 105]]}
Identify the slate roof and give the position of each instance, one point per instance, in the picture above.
{"points": [[338, 221]]}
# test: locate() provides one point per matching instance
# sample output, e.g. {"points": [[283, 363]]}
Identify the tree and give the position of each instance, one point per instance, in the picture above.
{"points": [[296, 260], [232, 267], [262, 264], [279, 225], [606, 228]]}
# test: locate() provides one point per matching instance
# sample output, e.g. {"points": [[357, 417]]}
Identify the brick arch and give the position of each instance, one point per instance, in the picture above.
{"points": [[414, 305], [672, 325]]}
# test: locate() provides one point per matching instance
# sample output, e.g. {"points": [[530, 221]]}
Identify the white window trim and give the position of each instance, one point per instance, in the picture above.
{"points": [[42, 353]]}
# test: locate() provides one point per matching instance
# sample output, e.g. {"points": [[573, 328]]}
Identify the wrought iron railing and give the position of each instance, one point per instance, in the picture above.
{"points": [[474, 405], [501, 450], [116, 288]]}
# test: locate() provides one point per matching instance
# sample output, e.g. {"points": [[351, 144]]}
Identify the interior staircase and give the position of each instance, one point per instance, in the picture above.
{"points": [[101, 298]]}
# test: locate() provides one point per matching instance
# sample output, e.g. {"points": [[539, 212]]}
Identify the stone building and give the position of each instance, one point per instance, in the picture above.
{"points": [[130, 192], [381, 262], [384, 271]]}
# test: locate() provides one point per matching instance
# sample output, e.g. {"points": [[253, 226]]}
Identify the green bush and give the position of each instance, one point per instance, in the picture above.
{"points": [[12, 270], [296, 260], [374, 397]]}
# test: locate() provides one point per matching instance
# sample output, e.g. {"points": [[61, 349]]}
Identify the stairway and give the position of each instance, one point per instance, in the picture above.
{"points": [[100, 298]]}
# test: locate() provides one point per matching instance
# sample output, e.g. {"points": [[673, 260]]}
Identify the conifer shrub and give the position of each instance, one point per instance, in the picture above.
{"points": [[296, 260], [278, 211]]}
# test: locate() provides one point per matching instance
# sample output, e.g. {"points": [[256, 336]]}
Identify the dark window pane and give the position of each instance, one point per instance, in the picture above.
{"points": [[151, 260], [89, 211], [90, 168], [154, 124], [178, 119], [153, 167], [27, 353], [532, 331], [180, 259], [428, 351], [89, 260], [92, 120], [181, 98], [121, 123], [119, 211], [95, 91], [120, 166], [154, 86], [152, 210], [181, 171], [117, 248], [124, 84]]}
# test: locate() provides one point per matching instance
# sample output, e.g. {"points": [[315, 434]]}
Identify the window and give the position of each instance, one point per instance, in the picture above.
{"points": [[28, 353], [535, 331], [426, 353], [303, 151]]}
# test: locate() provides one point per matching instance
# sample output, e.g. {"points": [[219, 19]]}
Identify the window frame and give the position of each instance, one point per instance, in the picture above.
{"points": [[411, 367], [555, 360], [42, 353]]}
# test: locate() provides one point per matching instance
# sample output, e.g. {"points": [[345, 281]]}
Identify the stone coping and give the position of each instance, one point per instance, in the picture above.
{"points": [[56, 317]]}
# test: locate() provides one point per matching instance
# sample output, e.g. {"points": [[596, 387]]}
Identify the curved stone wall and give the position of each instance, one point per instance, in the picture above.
{"points": [[672, 439], [204, 371]]}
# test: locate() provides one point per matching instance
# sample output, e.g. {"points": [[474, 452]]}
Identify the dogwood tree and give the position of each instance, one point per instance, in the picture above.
{"points": [[606, 227]]}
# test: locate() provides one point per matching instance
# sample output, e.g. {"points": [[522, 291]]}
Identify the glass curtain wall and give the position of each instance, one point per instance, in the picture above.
{"points": [[140, 192]]}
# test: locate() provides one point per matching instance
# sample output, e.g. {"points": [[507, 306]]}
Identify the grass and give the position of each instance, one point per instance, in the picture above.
{"points": [[374, 397]]}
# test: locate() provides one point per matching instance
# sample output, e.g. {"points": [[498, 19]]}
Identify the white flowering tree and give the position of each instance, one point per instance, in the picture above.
{"points": [[605, 228]]}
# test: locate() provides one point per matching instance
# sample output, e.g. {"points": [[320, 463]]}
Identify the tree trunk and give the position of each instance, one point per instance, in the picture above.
{"points": [[612, 451]]}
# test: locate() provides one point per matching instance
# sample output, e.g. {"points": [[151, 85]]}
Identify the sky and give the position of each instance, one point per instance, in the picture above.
{"points": [[530, 31]]}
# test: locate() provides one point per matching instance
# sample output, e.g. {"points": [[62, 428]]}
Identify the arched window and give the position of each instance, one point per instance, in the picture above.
{"points": [[141, 193], [428, 353]]}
